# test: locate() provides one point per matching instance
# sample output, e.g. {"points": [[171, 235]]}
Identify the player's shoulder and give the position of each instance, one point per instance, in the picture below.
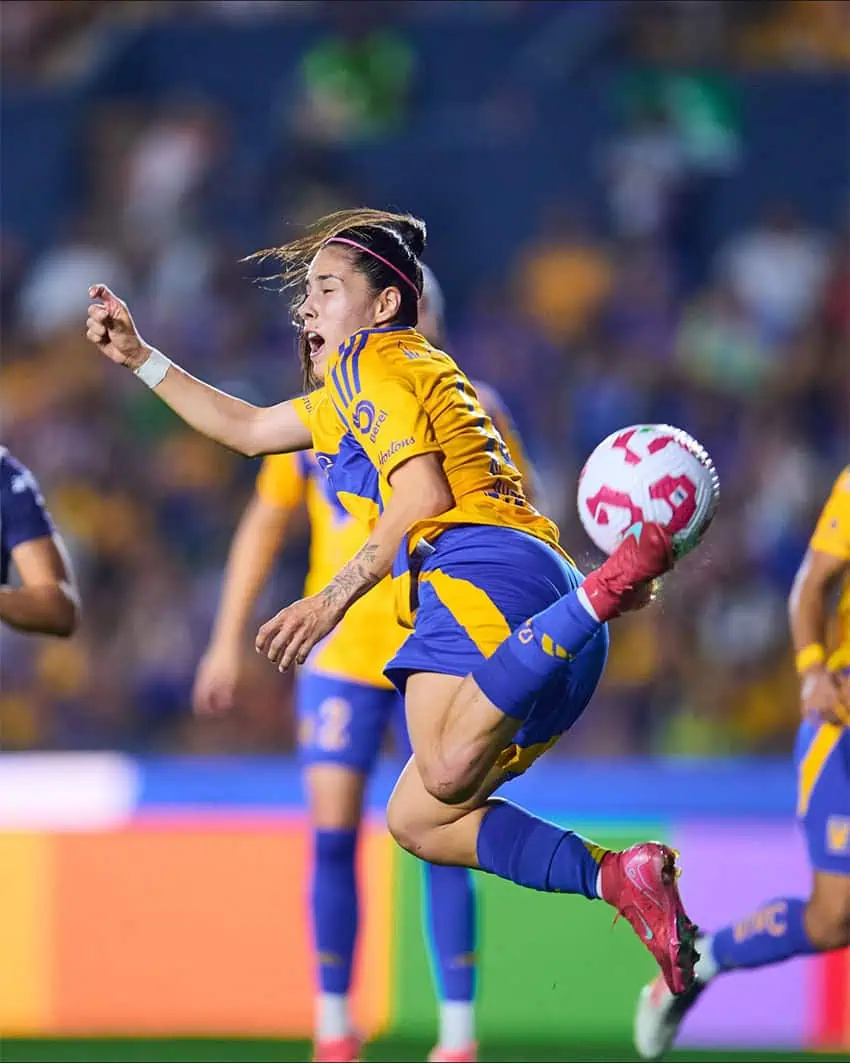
{"points": [[842, 483], [311, 401], [15, 477], [833, 527], [839, 496], [23, 508], [8, 464], [388, 352]]}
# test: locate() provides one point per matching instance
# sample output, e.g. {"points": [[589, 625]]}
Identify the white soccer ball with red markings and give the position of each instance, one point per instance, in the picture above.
{"points": [[648, 472]]}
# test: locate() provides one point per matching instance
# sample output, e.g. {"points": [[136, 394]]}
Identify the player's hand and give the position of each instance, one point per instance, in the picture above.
{"points": [[287, 638], [111, 329], [821, 697], [216, 680]]}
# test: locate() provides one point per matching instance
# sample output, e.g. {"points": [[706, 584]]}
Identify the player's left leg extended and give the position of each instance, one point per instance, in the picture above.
{"points": [[530, 679], [784, 927], [451, 921]]}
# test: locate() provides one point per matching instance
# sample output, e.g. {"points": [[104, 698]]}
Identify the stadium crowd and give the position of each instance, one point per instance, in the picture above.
{"points": [[599, 323]]}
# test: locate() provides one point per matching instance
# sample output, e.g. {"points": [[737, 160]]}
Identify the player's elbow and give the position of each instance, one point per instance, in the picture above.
{"points": [[243, 430], [65, 614], [436, 498], [420, 488], [58, 610], [430, 493], [813, 584], [247, 443]]}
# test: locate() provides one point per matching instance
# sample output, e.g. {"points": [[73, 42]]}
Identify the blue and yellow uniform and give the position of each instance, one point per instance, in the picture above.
{"points": [[343, 700], [823, 750], [345, 703], [23, 516], [463, 580]]}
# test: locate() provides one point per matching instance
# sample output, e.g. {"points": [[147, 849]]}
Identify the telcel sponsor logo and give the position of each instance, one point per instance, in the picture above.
{"points": [[379, 420]]}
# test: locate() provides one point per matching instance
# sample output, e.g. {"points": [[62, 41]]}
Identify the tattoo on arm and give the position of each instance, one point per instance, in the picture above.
{"points": [[354, 579]]}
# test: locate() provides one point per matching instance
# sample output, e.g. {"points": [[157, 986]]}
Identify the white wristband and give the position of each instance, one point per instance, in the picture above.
{"points": [[153, 369]]}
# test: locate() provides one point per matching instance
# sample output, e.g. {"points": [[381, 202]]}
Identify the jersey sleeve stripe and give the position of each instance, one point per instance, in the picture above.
{"points": [[336, 383], [355, 361], [339, 413], [344, 366]]}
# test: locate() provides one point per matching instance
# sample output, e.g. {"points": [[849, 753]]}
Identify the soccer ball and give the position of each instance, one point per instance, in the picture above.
{"points": [[648, 472]]}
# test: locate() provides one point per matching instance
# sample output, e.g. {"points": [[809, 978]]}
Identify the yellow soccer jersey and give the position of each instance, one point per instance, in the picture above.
{"points": [[289, 480], [492, 403], [389, 396], [832, 536]]}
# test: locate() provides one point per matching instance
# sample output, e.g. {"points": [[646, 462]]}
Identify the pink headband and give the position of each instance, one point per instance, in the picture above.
{"points": [[374, 254]]}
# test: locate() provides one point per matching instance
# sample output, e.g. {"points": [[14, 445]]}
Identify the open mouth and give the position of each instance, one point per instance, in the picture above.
{"points": [[315, 344]]}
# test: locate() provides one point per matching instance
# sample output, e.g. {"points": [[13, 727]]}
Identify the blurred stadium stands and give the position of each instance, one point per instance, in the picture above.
{"points": [[637, 210]]}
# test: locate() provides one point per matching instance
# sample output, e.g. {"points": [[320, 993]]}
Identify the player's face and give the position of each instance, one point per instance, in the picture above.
{"points": [[339, 302]]}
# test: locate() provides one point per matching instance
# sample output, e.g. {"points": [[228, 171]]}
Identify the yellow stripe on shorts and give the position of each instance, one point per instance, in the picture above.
{"points": [[825, 740], [517, 759], [472, 608]]}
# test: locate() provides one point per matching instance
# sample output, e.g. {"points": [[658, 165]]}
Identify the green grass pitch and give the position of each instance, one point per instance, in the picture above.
{"points": [[201, 1050]]}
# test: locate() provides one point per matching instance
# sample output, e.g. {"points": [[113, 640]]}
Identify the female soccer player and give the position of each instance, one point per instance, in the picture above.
{"points": [[507, 644], [345, 706]]}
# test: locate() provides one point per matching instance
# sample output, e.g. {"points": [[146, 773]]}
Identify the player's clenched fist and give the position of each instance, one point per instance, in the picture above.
{"points": [[111, 328]]}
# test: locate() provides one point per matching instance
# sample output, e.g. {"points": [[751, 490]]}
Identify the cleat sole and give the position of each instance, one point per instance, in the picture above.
{"points": [[686, 931]]}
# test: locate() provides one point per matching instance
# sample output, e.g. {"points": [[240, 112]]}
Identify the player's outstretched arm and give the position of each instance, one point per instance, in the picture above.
{"points": [[247, 429], [820, 691], [255, 544], [420, 491], [47, 602]]}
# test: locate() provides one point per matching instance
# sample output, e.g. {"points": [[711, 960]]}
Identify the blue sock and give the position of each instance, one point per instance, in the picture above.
{"points": [[517, 846], [774, 933], [334, 905], [513, 677], [452, 930]]}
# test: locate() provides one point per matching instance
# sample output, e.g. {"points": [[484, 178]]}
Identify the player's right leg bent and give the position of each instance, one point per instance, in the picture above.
{"points": [[507, 613], [516, 701], [341, 726], [784, 927]]}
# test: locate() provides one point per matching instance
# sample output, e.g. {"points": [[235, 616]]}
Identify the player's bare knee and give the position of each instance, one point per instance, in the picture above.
{"points": [[407, 827], [828, 921]]}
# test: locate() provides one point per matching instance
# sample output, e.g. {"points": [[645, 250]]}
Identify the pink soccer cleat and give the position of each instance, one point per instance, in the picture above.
{"points": [[339, 1050], [640, 882], [463, 1055], [622, 582]]}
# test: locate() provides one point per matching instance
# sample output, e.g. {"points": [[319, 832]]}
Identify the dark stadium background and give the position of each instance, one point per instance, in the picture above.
{"points": [[608, 187]]}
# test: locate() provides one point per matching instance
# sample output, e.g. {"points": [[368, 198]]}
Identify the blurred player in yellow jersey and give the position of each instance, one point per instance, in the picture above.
{"points": [[788, 926], [345, 707], [508, 640]]}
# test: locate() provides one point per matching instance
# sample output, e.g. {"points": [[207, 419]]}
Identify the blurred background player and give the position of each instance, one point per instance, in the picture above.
{"points": [[47, 601], [345, 707], [788, 926]]}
